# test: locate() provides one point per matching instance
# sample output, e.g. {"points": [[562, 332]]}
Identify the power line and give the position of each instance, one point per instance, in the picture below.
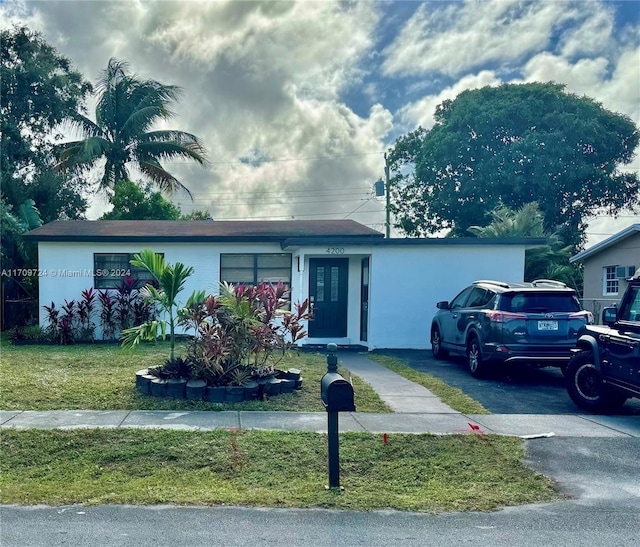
{"points": [[228, 204], [286, 192], [330, 214], [301, 158]]}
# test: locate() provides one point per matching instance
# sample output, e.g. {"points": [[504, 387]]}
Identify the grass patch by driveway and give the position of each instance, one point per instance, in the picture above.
{"points": [[102, 377], [259, 468], [451, 396]]}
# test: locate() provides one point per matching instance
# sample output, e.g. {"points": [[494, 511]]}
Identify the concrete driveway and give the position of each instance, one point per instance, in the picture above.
{"points": [[509, 390]]}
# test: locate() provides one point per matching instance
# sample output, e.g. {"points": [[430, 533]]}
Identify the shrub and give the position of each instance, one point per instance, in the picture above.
{"points": [[244, 332]]}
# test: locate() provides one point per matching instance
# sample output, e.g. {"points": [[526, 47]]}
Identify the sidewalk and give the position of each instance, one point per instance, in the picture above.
{"points": [[416, 410]]}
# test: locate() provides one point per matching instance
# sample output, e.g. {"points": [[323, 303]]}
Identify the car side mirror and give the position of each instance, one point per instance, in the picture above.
{"points": [[609, 316], [444, 305]]}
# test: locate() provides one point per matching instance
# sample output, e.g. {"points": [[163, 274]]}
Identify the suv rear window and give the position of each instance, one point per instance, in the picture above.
{"points": [[538, 302]]}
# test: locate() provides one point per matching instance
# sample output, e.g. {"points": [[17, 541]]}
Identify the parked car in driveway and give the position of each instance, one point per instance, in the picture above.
{"points": [[498, 322], [604, 370]]}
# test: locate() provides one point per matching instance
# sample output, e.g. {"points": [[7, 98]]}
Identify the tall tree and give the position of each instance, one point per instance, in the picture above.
{"points": [[122, 134], [39, 91], [514, 144]]}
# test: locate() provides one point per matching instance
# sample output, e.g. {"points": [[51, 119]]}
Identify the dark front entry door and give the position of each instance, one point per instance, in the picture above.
{"points": [[328, 295]]}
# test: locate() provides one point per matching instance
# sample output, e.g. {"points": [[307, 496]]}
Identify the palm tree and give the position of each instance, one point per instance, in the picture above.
{"points": [[525, 222], [550, 261], [127, 109], [170, 279]]}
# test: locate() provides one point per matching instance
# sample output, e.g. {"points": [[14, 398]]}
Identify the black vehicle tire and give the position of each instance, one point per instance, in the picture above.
{"points": [[478, 368], [585, 386], [436, 345]]}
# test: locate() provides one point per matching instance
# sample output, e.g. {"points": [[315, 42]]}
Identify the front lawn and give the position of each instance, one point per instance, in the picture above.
{"points": [[102, 377], [262, 468]]}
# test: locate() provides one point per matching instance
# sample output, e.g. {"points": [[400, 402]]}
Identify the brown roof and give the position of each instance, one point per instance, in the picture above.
{"points": [[199, 230]]}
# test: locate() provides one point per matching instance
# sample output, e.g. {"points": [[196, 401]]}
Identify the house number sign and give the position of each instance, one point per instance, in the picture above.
{"points": [[335, 250]]}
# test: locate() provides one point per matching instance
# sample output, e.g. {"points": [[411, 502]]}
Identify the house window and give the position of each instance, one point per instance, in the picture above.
{"points": [[110, 269], [251, 269], [610, 281]]}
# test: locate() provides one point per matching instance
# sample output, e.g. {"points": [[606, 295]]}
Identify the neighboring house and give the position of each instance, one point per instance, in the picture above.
{"points": [[365, 290], [607, 265]]}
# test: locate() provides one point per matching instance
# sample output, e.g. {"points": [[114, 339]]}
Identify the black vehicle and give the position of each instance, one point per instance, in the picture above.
{"points": [[604, 370], [497, 322]]}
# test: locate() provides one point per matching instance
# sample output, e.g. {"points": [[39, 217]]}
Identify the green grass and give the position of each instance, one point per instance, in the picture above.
{"points": [[102, 377], [451, 396], [273, 469]]}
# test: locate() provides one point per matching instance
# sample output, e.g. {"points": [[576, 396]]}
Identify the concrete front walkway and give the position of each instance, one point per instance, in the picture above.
{"points": [[400, 394]]}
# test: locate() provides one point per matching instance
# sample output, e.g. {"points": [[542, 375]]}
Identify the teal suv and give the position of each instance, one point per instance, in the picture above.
{"points": [[497, 322]]}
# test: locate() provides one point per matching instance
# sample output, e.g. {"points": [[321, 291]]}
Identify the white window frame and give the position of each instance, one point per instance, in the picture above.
{"points": [[610, 284]]}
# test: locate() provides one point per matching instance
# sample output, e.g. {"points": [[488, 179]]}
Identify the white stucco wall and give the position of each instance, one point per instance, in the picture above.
{"points": [[407, 282]]}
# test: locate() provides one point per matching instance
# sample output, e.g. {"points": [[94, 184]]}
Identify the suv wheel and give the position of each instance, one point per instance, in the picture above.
{"points": [[436, 344], [585, 386], [477, 367]]}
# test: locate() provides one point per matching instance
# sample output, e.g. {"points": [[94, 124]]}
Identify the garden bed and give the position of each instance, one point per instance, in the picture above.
{"points": [[197, 390]]}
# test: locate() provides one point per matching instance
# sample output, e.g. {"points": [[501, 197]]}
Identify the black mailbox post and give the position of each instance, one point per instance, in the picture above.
{"points": [[337, 396]]}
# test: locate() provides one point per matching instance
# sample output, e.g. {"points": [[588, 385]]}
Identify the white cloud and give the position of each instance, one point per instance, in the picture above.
{"points": [[421, 112], [261, 78], [454, 38], [267, 80], [591, 36], [616, 84]]}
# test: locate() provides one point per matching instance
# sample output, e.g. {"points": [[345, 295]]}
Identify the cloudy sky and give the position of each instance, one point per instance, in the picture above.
{"points": [[296, 102]]}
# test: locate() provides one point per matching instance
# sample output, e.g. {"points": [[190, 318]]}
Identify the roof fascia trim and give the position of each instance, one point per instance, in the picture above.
{"points": [[605, 243]]}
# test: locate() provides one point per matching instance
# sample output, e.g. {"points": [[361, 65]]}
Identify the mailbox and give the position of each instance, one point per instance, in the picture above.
{"points": [[337, 396], [336, 393]]}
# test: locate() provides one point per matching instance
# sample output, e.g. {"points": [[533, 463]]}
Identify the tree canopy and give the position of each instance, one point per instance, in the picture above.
{"points": [[123, 135], [512, 145], [131, 202], [39, 91]]}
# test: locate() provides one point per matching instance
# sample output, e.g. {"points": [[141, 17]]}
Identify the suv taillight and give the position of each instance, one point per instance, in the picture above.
{"points": [[582, 315], [504, 316]]}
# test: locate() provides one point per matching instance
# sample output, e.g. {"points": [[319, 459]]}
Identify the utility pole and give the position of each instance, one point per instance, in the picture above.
{"points": [[386, 188]]}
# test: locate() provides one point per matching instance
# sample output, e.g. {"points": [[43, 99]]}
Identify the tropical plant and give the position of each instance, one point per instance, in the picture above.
{"points": [[170, 279], [107, 315], [85, 312], [125, 298], [127, 109], [28, 332], [547, 261], [243, 332], [178, 367], [14, 225], [51, 319], [527, 221], [61, 322]]}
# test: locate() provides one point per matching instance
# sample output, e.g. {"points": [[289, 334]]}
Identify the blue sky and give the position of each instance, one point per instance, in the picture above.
{"points": [[297, 101]]}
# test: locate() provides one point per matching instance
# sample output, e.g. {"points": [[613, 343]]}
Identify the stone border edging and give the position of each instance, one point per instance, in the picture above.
{"points": [[198, 390]]}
